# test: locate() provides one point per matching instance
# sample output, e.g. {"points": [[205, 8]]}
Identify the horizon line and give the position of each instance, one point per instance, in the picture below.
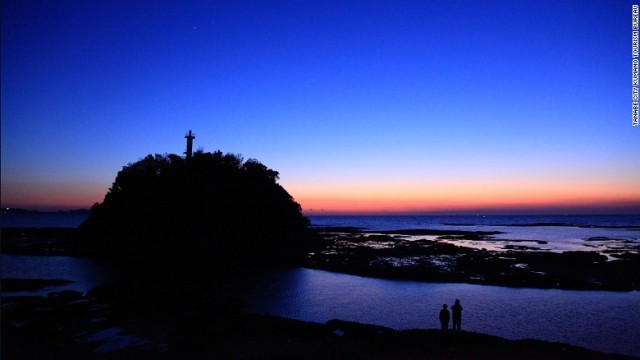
{"points": [[584, 211]]}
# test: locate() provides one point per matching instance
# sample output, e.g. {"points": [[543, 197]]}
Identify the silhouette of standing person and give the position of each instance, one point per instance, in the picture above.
{"points": [[456, 311], [444, 318]]}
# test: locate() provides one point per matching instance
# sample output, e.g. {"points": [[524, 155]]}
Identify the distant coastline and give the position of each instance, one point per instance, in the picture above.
{"points": [[594, 210], [631, 210], [9, 211], [623, 212]]}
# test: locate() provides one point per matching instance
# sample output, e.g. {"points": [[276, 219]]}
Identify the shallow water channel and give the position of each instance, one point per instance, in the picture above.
{"points": [[600, 320]]}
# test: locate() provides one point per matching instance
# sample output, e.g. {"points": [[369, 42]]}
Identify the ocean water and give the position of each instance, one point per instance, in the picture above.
{"points": [[396, 222], [42, 219], [601, 320], [601, 233]]}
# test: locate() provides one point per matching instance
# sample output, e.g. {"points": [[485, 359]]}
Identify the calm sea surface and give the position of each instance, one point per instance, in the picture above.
{"points": [[601, 320], [548, 233], [42, 219]]}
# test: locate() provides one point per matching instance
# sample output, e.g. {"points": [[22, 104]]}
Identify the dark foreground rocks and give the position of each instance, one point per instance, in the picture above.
{"points": [[112, 322]]}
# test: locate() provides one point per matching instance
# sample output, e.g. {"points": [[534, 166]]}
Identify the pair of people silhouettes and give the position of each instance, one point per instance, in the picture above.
{"points": [[456, 312]]}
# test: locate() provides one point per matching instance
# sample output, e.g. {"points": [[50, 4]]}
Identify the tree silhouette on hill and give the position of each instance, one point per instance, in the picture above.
{"points": [[212, 205]]}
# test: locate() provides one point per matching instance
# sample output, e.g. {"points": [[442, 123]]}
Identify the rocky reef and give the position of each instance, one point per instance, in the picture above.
{"points": [[390, 255]]}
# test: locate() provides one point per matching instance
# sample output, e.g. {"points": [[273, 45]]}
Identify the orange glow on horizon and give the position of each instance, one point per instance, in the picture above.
{"points": [[341, 206], [389, 197], [63, 197], [415, 198]]}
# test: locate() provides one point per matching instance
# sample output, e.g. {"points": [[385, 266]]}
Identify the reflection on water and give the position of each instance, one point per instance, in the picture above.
{"points": [[605, 321], [85, 273], [560, 233]]}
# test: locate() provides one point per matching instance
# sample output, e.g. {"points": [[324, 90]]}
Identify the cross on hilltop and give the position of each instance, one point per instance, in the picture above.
{"points": [[190, 136]]}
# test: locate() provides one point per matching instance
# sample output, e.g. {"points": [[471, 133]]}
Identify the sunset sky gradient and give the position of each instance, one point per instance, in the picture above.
{"points": [[362, 106]]}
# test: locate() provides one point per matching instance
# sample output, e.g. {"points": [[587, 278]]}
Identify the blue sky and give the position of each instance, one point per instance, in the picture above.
{"points": [[362, 106]]}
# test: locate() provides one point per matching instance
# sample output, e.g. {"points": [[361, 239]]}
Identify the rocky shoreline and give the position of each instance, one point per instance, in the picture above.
{"points": [[388, 254], [119, 322]]}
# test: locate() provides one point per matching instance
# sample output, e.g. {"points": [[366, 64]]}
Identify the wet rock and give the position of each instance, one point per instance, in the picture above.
{"points": [[350, 328], [39, 328], [14, 284], [435, 261], [65, 296]]}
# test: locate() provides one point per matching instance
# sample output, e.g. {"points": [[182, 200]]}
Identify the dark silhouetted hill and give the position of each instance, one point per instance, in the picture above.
{"points": [[213, 206]]}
